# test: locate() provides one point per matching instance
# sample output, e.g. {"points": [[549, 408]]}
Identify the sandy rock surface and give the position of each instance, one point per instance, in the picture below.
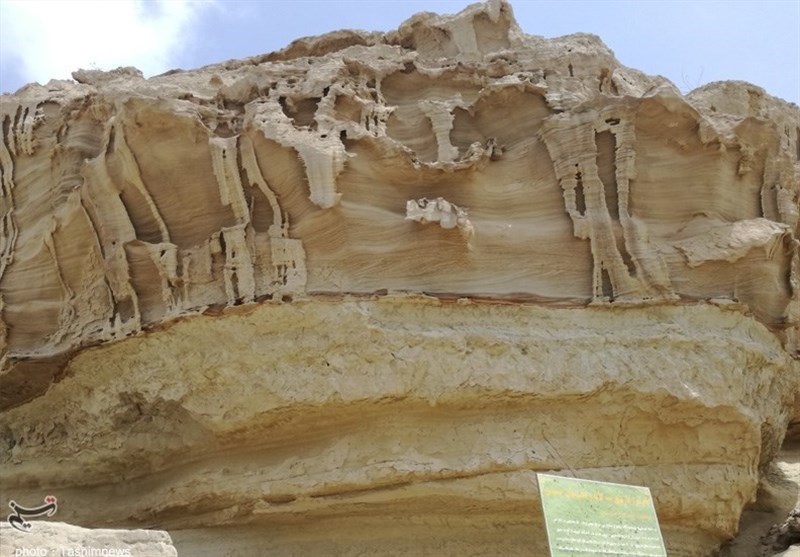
{"points": [[57, 539], [349, 297]]}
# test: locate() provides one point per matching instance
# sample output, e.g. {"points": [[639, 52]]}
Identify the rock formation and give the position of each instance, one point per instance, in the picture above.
{"points": [[788, 532], [56, 539], [349, 297]]}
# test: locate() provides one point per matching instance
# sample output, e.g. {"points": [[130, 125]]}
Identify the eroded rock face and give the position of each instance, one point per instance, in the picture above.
{"points": [[374, 282]]}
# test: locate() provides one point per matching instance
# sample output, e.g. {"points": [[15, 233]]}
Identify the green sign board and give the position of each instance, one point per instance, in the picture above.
{"points": [[588, 518]]}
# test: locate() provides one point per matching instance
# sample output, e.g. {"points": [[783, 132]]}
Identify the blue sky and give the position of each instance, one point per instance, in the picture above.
{"points": [[689, 42]]}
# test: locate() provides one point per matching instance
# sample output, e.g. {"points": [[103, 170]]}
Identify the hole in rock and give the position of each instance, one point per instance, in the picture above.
{"points": [[301, 111], [608, 290], [580, 198], [607, 170]]}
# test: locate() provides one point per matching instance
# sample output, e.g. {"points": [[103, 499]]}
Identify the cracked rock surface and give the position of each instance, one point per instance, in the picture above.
{"points": [[372, 283]]}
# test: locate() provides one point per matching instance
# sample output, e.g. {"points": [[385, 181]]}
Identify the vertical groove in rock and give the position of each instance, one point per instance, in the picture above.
{"points": [[224, 159], [572, 144], [8, 227], [132, 176], [113, 229], [287, 257]]}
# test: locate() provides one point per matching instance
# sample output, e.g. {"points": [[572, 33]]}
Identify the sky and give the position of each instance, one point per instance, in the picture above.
{"points": [[691, 42]]}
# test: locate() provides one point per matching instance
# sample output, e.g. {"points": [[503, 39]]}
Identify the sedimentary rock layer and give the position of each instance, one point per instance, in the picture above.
{"points": [[414, 408], [390, 276]]}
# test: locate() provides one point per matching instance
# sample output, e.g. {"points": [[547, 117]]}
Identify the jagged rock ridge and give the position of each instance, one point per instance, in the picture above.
{"points": [[447, 228]]}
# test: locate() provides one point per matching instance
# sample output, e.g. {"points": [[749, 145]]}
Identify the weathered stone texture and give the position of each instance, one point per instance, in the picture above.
{"points": [[351, 296], [63, 540]]}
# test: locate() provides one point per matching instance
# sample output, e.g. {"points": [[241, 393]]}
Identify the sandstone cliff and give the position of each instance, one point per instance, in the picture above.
{"points": [[351, 296]]}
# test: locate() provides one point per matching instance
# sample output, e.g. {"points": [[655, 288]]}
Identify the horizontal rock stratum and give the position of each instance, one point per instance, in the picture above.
{"points": [[349, 297]]}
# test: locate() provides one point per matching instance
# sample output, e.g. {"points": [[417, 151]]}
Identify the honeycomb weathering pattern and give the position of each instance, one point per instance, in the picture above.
{"points": [[455, 163]]}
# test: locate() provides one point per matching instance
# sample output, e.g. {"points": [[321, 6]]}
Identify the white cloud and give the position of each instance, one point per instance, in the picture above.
{"points": [[50, 39]]}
